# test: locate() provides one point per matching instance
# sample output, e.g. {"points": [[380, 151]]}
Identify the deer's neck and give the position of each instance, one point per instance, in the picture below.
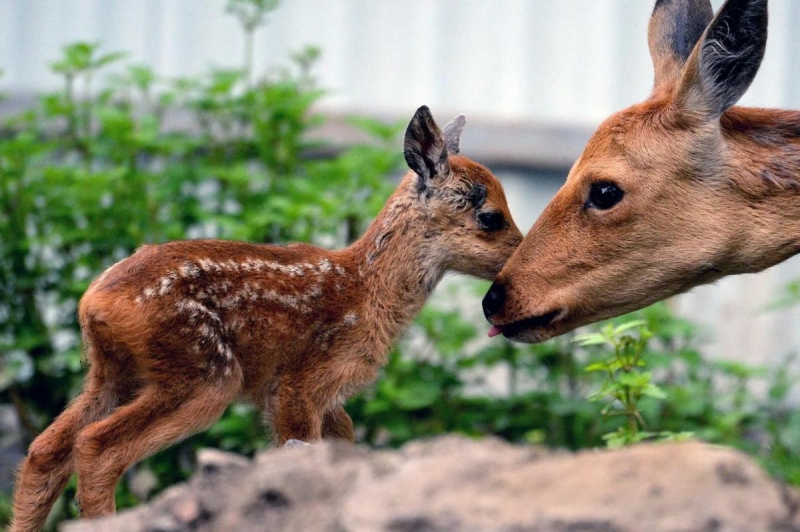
{"points": [[398, 264], [764, 165]]}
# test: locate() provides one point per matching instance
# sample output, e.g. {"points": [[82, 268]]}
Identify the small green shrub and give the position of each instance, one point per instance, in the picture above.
{"points": [[625, 383]]}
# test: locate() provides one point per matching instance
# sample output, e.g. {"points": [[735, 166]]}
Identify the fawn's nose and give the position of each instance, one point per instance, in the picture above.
{"points": [[494, 300]]}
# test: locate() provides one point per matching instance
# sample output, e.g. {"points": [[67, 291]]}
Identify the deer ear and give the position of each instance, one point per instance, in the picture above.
{"points": [[727, 59], [425, 148], [452, 134], [675, 28]]}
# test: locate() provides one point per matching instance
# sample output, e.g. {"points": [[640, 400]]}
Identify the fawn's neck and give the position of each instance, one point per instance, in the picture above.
{"points": [[398, 263], [764, 165]]}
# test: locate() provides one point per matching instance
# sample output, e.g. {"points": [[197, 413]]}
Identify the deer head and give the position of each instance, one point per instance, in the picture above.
{"points": [[462, 206], [671, 193]]}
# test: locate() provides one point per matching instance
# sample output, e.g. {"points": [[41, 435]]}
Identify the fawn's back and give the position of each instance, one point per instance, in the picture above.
{"points": [[216, 302]]}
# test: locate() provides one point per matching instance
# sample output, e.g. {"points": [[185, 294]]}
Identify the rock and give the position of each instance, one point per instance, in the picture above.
{"points": [[460, 485]]}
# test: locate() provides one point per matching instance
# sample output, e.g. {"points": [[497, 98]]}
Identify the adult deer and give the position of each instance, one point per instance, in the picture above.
{"points": [[178, 331], [677, 191]]}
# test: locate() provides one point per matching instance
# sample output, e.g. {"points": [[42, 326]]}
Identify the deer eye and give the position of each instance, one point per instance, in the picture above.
{"points": [[603, 195], [491, 220]]}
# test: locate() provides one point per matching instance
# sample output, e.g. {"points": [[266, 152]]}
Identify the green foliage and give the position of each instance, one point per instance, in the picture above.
{"points": [[625, 384], [789, 298]]}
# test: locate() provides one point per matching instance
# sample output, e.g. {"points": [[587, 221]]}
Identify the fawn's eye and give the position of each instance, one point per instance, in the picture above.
{"points": [[603, 195], [491, 220]]}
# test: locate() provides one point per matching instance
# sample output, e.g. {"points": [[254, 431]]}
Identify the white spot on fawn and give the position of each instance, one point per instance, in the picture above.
{"points": [[324, 265], [287, 300], [166, 284], [189, 270], [315, 292], [295, 271], [206, 331], [205, 265], [351, 318], [224, 350]]}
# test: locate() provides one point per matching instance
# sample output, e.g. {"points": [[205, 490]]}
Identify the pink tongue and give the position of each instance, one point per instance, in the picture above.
{"points": [[494, 331]]}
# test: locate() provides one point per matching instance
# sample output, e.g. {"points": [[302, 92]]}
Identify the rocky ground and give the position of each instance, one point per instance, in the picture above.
{"points": [[457, 485]]}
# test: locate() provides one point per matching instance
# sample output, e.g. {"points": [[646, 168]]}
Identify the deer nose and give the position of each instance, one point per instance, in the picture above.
{"points": [[494, 300]]}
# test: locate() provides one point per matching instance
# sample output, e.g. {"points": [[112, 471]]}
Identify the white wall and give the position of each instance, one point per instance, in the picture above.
{"points": [[571, 61]]}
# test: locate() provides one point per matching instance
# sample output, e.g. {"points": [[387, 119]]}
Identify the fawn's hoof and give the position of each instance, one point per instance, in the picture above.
{"points": [[296, 443]]}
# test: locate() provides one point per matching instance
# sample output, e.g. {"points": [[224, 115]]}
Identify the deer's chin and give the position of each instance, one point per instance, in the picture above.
{"points": [[536, 328]]}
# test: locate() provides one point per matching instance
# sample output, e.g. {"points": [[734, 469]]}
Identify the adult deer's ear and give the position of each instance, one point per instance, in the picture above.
{"points": [[425, 149], [452, 134], [726, 60], [675, 28]]}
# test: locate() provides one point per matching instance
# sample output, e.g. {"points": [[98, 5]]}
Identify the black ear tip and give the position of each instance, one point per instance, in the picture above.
{"points": [[660, 4], [423, 112], [422, 123]]}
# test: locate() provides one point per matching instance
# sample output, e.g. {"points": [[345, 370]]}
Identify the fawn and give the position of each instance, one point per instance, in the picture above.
{"points": [[176, 332], [671, 193]]}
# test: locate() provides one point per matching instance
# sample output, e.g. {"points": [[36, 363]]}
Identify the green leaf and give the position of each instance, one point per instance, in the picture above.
{"points": [[585, 340], [416, 395], [651, 390], [628, 326]]}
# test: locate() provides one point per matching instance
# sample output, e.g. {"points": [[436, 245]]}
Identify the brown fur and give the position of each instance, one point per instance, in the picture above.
{"points": [[709, 190], [176, 332]]}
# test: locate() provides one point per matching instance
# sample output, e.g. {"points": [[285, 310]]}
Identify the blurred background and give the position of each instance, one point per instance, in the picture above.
{"points": [[533, 77], [148, 120]]}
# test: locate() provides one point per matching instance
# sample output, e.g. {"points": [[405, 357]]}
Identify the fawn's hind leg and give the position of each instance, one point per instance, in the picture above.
{"points": [[158, 417], [49, 464], [336, 424]]}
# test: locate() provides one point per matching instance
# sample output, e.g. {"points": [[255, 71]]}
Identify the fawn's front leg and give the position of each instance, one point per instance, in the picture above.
{"points": [[296, 417], [308, 400]]}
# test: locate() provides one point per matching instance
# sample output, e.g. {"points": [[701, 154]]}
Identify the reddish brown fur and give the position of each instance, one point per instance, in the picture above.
{"points": [[709, 191], [176, 332]]}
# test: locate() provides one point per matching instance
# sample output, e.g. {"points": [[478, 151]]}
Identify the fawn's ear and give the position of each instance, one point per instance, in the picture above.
{"points": [[727, 59], [675, 28], [452, 134], [425, 148]]}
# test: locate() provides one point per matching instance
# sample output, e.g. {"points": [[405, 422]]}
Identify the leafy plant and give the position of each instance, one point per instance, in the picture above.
{"points": [[625, 384]]}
